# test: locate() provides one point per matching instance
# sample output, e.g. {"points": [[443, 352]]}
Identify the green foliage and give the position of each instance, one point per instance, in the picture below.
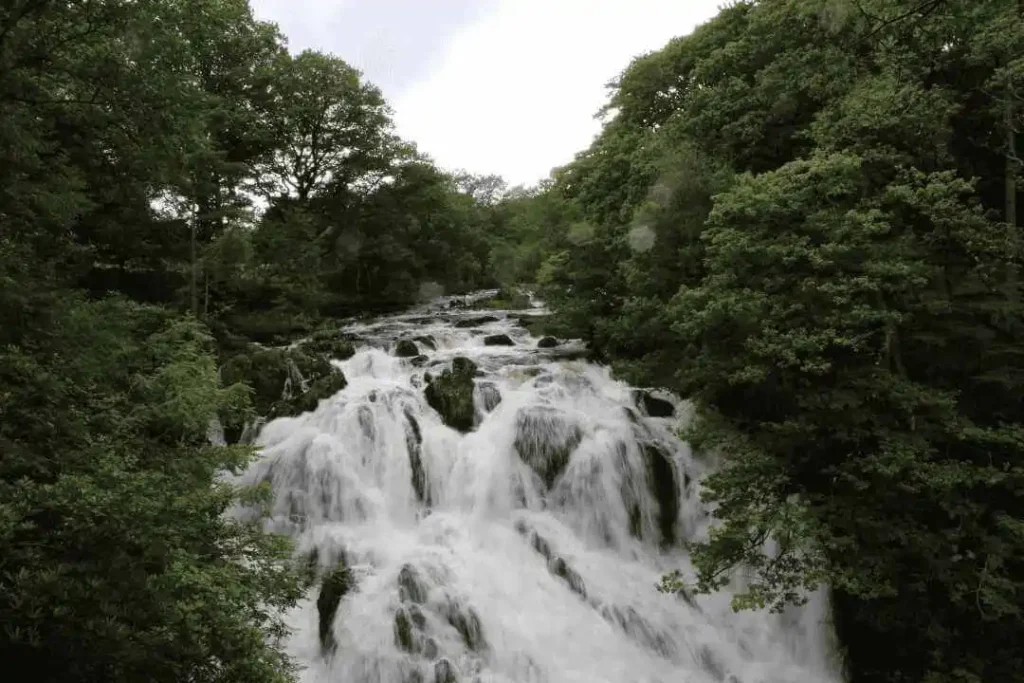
{"points": [[284, 382], [133, 136], [115, 554], [509, 298], [798, 218]]}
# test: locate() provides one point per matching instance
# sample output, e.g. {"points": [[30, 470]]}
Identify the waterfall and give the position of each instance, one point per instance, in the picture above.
{"points": [[525, 550]]}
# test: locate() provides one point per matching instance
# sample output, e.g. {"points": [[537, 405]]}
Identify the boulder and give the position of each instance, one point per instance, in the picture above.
{"points": [[414, 444], [330, 343], [285, 382], [466, 621], [427, 341], [463, 366], [420, 360], [445, 671], [334, 587], [410, 586], [559, 567], [451, 394], [547, 343], [545, 439], [406, 348], [404, 637], [651, 405], [661, 476], [498, 340], [323, 388], [490, 396], [478, 320]]}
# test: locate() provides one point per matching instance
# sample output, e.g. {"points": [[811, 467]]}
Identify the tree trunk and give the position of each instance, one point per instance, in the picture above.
{"points": [[1010, 113], [1011, 199], [195, 267]]}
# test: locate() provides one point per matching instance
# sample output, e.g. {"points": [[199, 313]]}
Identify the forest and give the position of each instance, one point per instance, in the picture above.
{"points": [[802, 217]]}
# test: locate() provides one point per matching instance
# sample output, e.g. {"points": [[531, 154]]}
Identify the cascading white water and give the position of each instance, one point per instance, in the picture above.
{"points": [[487, 556]]}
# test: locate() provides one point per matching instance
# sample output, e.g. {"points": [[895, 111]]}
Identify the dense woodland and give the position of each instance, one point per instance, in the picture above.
{"points": [[174, 186], [802, 216]]}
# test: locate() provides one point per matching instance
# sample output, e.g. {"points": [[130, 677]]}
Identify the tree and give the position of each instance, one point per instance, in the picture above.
{"points": [[115, 555], [332, 129], [800, 216]]}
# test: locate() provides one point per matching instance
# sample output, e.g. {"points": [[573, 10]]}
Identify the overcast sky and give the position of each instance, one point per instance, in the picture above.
{"points": [[492, 86]]}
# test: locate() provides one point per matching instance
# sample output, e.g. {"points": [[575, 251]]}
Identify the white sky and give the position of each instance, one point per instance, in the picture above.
{"points": [[493, 86]]}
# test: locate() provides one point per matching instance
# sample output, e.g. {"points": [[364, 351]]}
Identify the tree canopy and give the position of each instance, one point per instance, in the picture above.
{"points": [[802, 216]]}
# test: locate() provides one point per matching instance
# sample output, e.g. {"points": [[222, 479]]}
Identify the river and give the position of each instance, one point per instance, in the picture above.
{"points": [[466, 564]]}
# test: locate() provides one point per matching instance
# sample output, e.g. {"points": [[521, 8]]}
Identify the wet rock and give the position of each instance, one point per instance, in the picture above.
{"points": [[308, 566], [364, 415], [562, 570], [463, 365], [490, 396], [498, 340], [547, 343], [285, 382], [321, 389], [635, 521], [445, 671], [451, 394], [410, 586], [418, 618], [541, 545], [467, 623], [651, 405], [545, 439], [329, 343], [709, 662], [427, 341], [637, 628], [662, 478], [466, 323], [406, 348], [404, 638], [336, 584], [420, 360], [414, 444], [430, 649]]}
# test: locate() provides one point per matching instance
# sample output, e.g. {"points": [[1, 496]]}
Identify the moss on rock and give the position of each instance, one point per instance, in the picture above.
{"points": [[307, 401], [498, 340], [404, 639], [332, 346], [335, 586], [451, 394], [284, 382], [662, 477], [545, 440], [406, 348]]}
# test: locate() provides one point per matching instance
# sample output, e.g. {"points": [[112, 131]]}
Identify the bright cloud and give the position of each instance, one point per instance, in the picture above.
{"points": [[493, 86]]}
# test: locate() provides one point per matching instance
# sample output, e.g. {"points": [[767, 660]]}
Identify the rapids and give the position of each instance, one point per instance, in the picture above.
{"points": [[527, 550]]}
